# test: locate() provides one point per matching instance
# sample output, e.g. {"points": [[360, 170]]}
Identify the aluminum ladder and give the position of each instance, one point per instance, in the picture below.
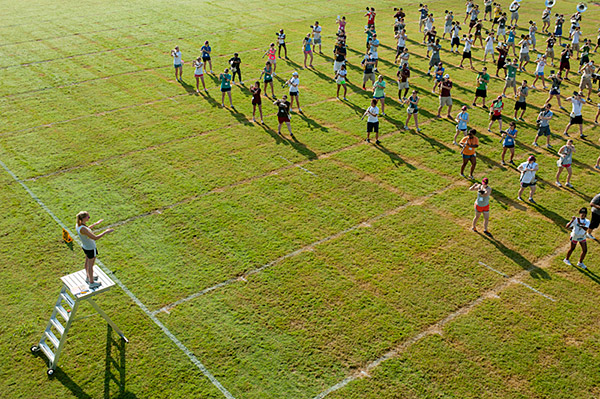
{"points": [[73, 292]]}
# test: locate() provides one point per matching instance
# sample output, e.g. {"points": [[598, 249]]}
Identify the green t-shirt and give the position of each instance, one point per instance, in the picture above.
{"points": [[225, 81], [485, 78], [379, 89], [511, 71]]}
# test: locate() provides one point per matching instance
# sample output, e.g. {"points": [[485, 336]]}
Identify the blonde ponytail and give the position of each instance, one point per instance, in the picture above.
{"points": [[80, 216]]}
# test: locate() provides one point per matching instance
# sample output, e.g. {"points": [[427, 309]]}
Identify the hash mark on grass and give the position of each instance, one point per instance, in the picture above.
{"points": [[437, 328], [298, 166], [517, 281], [306, 248], [131, 295]]}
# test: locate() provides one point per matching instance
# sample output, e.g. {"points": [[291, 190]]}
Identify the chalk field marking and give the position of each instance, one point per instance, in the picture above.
{"points": [[436, 328], [152, 317], [298, 166], [517, 281], [306, 248]]}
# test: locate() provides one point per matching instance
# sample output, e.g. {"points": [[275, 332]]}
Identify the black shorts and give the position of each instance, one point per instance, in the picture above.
{"points": [[481, 93], [372, 127], [281, 45], [455, 41], [399, 50], [207, 58], [466, 54], [472, 23], [520, 105], [488, 9], [509, 146], [496, 117], [577, 120], [595, 222], [495, 21], [225, 89], [293, 93], [90, 253]]}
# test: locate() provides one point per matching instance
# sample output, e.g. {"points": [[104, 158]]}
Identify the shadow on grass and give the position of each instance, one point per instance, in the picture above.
{"points": [[115, 358], [273, 133], [188, 87], [397, 161], [239, 116], [506, 201], [519, 259], [301, 148], [588, 273], [311, 123]]}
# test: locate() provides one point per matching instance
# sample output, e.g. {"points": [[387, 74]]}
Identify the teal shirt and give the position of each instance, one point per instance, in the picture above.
{"points": [[225, 81], [379, 89]]}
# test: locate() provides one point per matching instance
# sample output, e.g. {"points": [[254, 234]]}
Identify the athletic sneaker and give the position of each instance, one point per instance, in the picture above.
{"points": [[549, 146], [558, 184], [567, 262], [569, 185], [88, 281], [368, 140], [597, 166], [520, 199], [580, 264], [93, 286], [535, 144], [532, 200], [487, 233], [377, 142]]}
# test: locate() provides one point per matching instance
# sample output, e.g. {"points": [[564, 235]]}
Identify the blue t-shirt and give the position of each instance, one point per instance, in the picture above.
{"points": [[463, 118], [424, 13], [439, 75], [511, 37], [374, 43], [307, 45], [508, 140], [205, 51]]}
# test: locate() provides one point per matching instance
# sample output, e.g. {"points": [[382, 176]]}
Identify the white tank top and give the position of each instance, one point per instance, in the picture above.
{"points": [[86, 242]]}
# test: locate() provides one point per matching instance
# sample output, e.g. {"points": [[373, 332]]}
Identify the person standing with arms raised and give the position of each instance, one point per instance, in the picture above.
{"points": [[579, 225], [177, 63], [469, 144], [88, 244], [482, 205], [528, 170]]}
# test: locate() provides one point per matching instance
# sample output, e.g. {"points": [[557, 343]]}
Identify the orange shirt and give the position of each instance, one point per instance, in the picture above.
{"points": [[468, 142]]}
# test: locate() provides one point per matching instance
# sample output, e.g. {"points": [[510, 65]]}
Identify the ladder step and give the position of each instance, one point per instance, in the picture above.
{"points": [[67, 298], [65, 315], [51, 337], [59, 327], [47, 351]]}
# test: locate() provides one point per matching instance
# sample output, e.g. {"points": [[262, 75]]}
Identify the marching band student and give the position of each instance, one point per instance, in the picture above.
{"points": [[524, 52], [462, 119], [521, 103], [501, 28], [565, 64], [565, 161], [508, 142], [514, 9], [307, 49], [317, 37], [555, 88], [489, 47], [511, 40], [550, 42], [579, 226], [455, 33], [577, 102], [544, 125], [532, 30], [539, 71], [341, 78], [293, 83], [511, 76], [448, 19], [271, 57], [199, 73], [256, 101], [177, 62], [546, 20], [413, 110], [575, 36], [372, 114], [558, 28], [281, 44], [467, 50], [502, 53]]}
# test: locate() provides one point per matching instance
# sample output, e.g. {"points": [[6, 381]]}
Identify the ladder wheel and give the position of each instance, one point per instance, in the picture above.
{"points": [[50, 371], [35, 348]]}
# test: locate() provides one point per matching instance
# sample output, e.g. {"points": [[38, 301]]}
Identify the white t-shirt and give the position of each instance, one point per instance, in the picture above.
{"points": [[579, 227], [341, 75], [525, 47], [281, 38], [402, 40], [528, 173], [576, 106], [489, 43], [576, 36], [371, 118], [199, 69], [455, 31], [540, 66], [294, 82], [468, 43], [317, 32], [177, 58]]}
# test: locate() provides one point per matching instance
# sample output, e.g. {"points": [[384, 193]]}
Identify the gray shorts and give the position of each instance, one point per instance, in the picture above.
{"points": [[524, 57], [368, 76], [447, 101], [543, 131], [317, 41], [511, 82]]}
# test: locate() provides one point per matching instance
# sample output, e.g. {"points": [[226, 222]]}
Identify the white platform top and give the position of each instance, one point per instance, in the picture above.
{"points": [[75, 282]]}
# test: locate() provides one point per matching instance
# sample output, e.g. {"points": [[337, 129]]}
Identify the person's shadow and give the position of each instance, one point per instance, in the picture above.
{"points": [[519, 259]]}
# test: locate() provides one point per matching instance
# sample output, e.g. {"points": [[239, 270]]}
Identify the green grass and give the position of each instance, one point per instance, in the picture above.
{"points": [[336, 252]]}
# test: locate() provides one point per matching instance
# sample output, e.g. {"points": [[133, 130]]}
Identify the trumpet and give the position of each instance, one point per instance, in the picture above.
{"points": [[581, 8], [550, 3]]}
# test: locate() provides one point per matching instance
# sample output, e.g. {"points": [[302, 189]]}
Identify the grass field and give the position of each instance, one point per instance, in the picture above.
{"points": [[322, 266]]}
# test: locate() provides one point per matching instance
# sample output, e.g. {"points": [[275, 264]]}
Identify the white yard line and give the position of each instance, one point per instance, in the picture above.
{"points": [[135, 299], [298, 166], [437, 327], [306, 248]]}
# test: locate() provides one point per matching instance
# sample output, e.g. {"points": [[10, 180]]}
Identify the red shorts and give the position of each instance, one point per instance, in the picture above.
{"points": [[283, 119], [567, 165], [199, 76], [482, 208]]}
